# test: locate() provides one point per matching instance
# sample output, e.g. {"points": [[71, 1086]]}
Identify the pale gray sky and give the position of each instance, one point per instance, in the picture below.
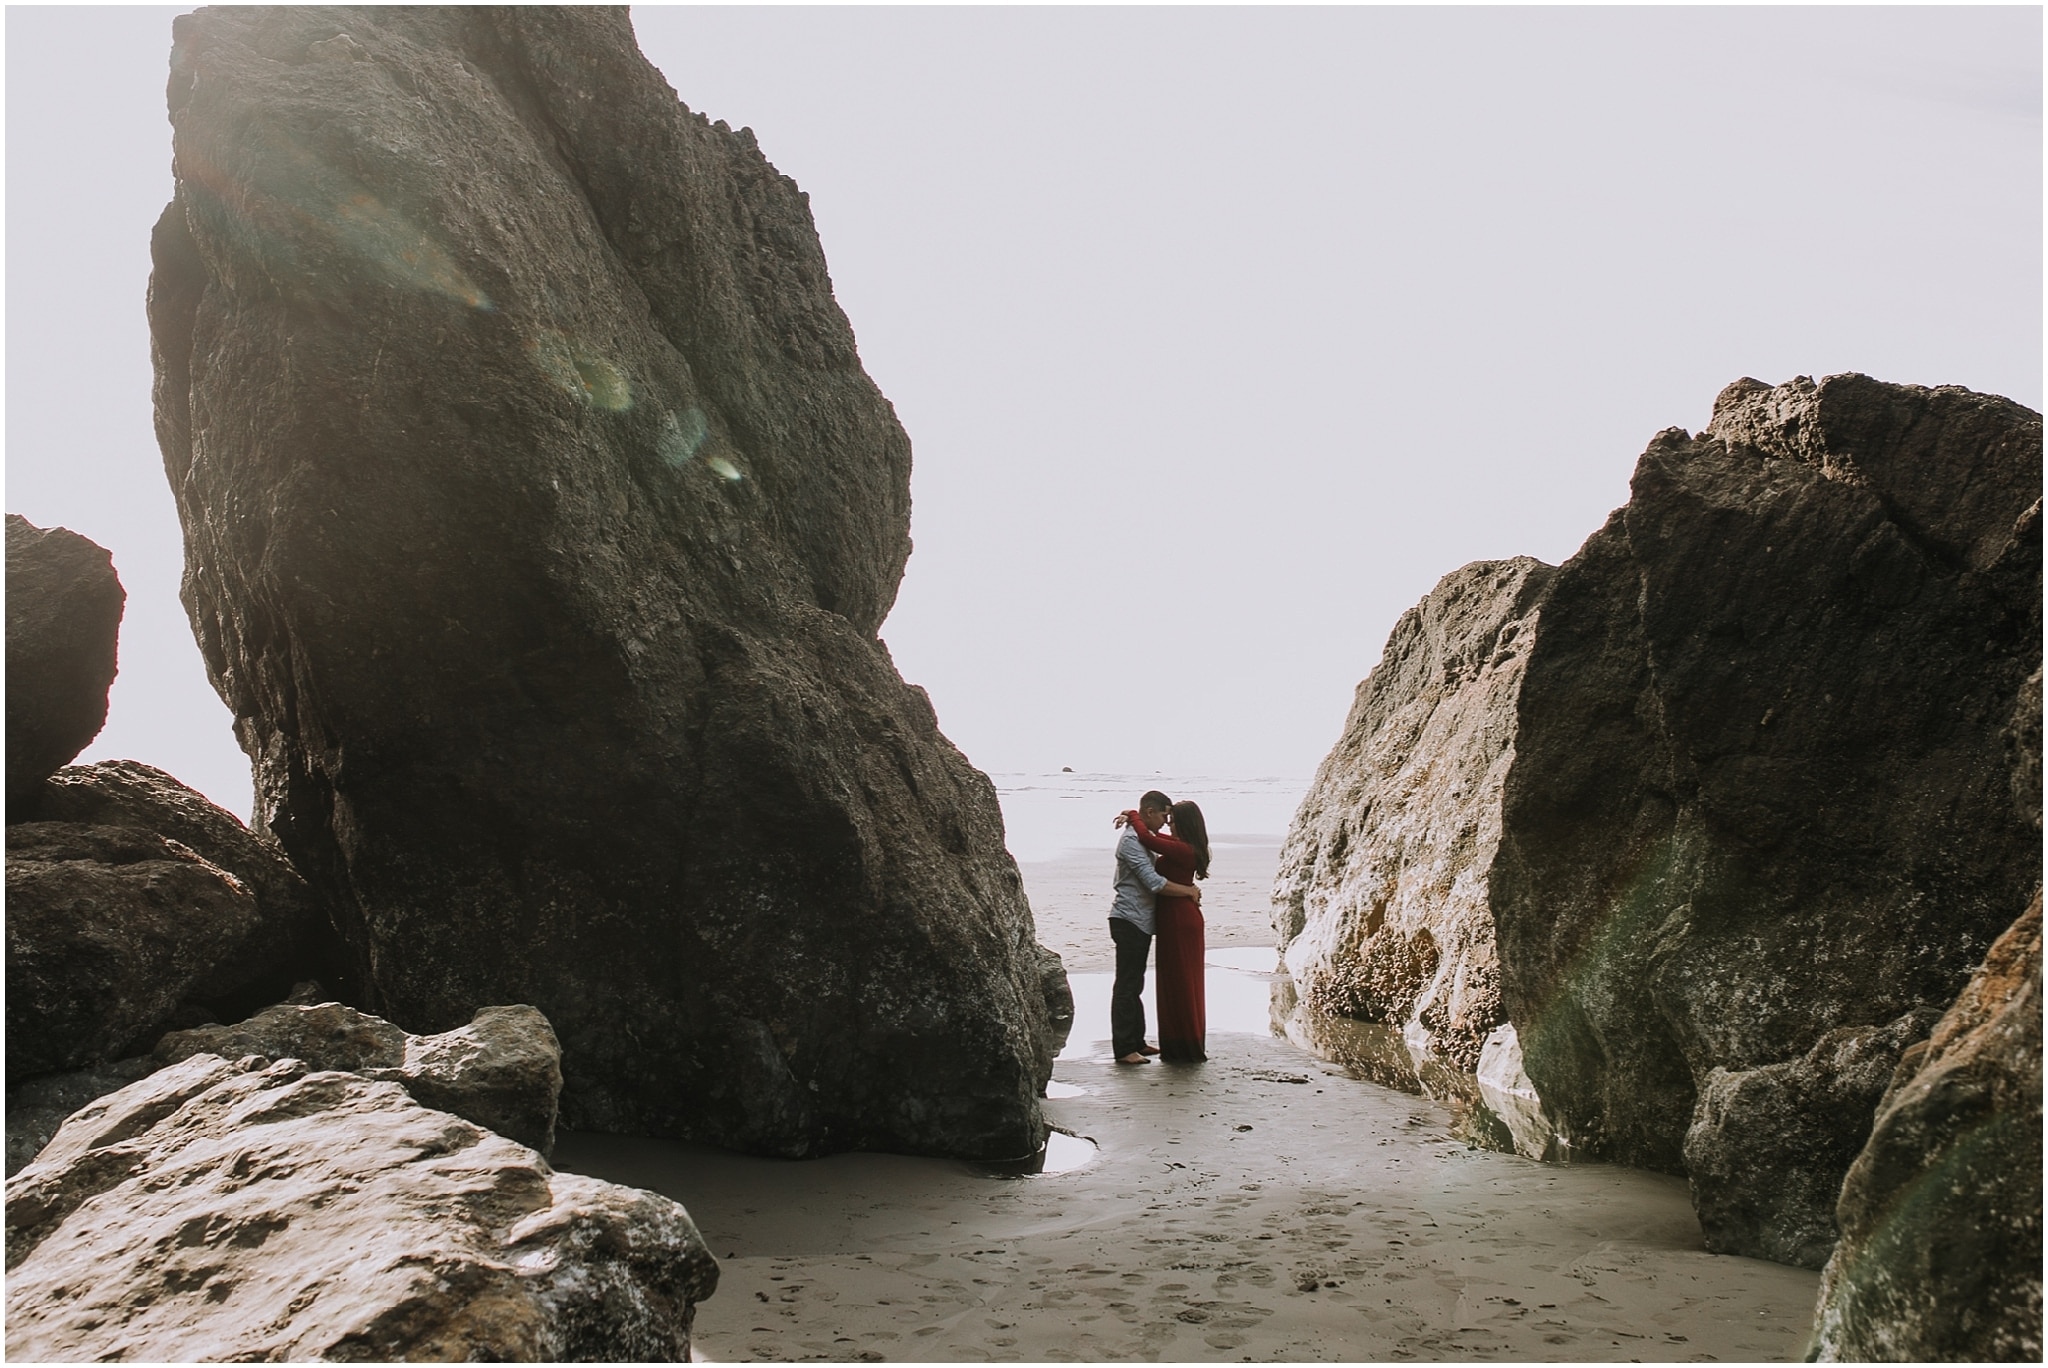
{"points": [[1301, 308]]}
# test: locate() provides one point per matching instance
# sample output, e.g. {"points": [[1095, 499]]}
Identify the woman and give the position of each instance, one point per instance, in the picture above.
{"points": [[1183, 1005]]}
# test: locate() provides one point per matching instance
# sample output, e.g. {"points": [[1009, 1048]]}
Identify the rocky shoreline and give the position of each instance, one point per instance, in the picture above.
{"points": [[539, 524]]}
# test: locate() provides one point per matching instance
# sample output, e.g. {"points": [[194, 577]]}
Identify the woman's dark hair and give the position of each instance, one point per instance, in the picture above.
{"points": [[1189, 826]]}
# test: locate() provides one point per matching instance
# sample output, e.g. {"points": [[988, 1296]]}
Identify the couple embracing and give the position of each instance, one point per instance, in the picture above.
{"points": [[1163, 850]]}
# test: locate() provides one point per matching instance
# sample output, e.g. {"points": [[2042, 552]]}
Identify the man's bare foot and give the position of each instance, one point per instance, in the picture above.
{"points": [[1132, 1058], [1148, 1049]]}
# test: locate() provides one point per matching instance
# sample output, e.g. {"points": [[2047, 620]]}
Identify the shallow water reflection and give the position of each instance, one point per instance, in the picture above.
{"points": [[1375, 1052], [1248, 959], [1063, 1153]]}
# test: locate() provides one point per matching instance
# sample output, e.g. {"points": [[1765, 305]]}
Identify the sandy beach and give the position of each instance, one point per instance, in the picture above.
{"points": [[1260, 1206]]}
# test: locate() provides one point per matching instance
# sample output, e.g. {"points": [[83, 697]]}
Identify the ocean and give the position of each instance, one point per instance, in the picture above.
{"points": [[1050, 816]]}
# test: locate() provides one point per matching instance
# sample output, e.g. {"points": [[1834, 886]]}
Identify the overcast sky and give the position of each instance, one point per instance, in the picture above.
{"points": [[1220, 334]]}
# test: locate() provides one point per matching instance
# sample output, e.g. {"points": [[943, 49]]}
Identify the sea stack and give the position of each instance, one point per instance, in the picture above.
{"points": [[1726, 801], [539, 522], [1759, 828]]}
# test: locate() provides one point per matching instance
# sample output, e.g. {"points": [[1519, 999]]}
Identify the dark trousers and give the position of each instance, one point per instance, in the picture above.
{"points": [[1126, 995]]}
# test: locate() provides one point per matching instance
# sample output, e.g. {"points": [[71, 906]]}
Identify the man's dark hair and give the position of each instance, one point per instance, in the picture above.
{"points": [[1154, 801]]}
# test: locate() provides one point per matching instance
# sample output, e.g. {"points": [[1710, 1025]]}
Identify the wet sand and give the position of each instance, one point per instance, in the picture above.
{"points": [[1259, 1206]]}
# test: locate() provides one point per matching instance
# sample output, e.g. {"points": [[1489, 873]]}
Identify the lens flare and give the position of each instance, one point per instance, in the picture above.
{"points": [[295, 208], [681, 435], [580, 370], [367, 227]]}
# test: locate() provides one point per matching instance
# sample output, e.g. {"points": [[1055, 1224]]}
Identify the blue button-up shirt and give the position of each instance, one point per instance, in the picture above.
{"points": [[1137, 882]]}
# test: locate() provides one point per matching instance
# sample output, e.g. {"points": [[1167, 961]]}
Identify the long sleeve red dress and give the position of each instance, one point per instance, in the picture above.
{"points": [[1178, 954]]}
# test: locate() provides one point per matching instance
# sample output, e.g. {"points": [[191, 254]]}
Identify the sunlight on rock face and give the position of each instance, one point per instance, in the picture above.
{"points": [[724, 469]]}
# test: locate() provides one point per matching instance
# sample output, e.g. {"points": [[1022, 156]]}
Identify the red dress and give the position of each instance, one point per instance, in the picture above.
{"points": [[1177, 954]]}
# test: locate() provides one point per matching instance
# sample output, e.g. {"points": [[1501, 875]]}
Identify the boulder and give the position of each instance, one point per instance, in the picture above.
{"points": [[1382, 904], [539, 524], [216, 1211], [503, 1071], [296, 939], [1767, 1186], [136, 905], [324, 1035], [1759, 795], [111, 932], [63, 620], [1940, 1253]]}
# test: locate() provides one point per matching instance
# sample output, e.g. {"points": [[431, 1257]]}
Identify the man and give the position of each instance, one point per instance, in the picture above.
{"points": [[1138, 884]]}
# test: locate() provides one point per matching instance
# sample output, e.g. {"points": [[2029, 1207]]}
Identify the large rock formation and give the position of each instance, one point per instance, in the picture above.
{"points": [[1768, 1146], [63, 619], [502, 1071], [539, 523], [1940, 1253], [1759, 796], [1382, 903], [213, 1211]]}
